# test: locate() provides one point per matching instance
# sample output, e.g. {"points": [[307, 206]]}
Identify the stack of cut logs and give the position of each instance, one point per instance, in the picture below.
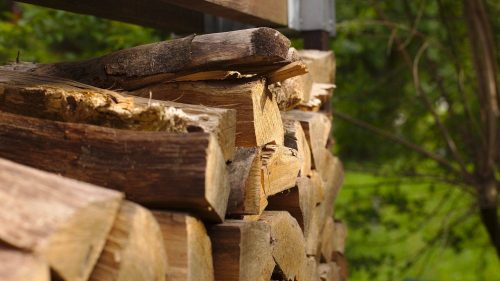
{"points": [[210, 153]]}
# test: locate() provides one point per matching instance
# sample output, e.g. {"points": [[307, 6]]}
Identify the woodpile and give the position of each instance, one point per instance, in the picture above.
{"points": [[200, 158]]}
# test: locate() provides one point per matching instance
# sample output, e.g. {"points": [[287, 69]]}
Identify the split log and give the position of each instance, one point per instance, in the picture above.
{"points": [[340, 236], [319, 185], [157, 169], [341, 262], [63, 221], [287, 244], [295, 138], [250, 51], [312, 269], [242, 251], [257, 115], [321, 94], [317, 129], [187, 245], [329, 272], [335, 177], [280, 168], [64, 100], [321, 65], [21, 266], [134, 248], [245, 182], [327, 240]]}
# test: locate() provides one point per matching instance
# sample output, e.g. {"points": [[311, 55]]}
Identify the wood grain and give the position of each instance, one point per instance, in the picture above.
{"points": [[62, 221], [16, 265], [158, 169]]}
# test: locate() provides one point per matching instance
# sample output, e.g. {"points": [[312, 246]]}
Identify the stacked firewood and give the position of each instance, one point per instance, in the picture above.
{"points": [[201, 158]]}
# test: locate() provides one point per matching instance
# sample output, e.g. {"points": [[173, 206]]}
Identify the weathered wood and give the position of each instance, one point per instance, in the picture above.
{"points": [[250, 51], [63, 221], [66, 100], [158, 169], [257, 115], [245, 182], [287, 244], [321, 94], [329, 272], [134, 248], [155, 13], [312, 269], [335, 176], [317, 129], [295, 138], [340, 235], [21, 266], [280, 168], [188, 247], [242, 250], [327, 240], [321, 65], [292, 91], [341, 262], [258, 13]]}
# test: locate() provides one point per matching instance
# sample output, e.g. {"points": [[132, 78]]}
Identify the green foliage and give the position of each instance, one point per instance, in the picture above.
{"points": [[47, 35], [412, 229], [400, 228]]}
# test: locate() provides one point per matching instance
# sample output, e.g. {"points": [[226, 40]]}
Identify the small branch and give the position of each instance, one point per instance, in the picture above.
{"points": [[445, 163]]}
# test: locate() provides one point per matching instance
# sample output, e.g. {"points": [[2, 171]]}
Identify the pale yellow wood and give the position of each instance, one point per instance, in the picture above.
{"points": [[21, 266], [327, 240], [320, 94], [280, 168], [295, 138], [317, 128], [134, 248], [245, 182], [257, 119], [63, 221], [340, 236], [287, 243], [329, 272], [321, 65], [312, 269], [187, 245]]}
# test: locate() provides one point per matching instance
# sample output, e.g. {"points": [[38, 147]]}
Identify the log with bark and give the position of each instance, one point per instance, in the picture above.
{"points": [[258, 120], [62, 221], [134, 248], [210, 56], [158, 169], [70, 101], [188, 247], [242, 250]]}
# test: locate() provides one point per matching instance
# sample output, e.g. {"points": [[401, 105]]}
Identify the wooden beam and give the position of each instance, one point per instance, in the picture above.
{"points": [[156, 13], [242, 251], [258, 13], [134, 248], [158, 169], [258, 120], [187, 245], [316, 39], [65, 100], [17, 265], [249, 51], [62, 221]]}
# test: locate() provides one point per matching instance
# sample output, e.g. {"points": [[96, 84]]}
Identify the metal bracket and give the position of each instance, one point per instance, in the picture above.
{"points": [[304, 15]]}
